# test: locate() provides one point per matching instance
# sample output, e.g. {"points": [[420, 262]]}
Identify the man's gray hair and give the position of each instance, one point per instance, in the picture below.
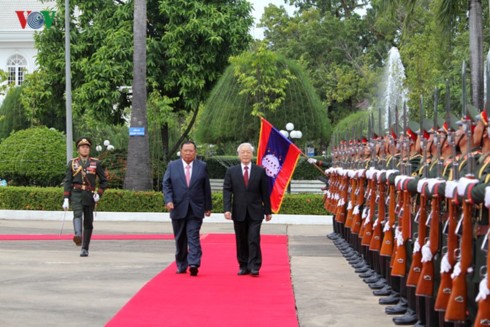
{"points": [[245, 144]]}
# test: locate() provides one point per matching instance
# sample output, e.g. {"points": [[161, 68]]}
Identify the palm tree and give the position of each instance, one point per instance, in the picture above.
{"points": [[138, 173]]}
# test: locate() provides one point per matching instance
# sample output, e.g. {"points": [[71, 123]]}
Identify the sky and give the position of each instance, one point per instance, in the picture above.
{"points": [[258, 10]]}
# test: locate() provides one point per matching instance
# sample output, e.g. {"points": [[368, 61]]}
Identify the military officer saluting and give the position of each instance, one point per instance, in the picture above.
{"points": [[80, 187]]}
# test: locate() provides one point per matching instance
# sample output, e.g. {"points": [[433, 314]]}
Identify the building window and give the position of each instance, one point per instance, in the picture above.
{"points": [[16, 67]]}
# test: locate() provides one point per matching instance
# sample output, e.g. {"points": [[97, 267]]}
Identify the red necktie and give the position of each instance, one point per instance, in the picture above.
{"points": [[245, 176], [188, 174]]}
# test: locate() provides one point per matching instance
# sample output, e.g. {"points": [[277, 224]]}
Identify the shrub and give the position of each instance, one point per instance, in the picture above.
{"points": [[34, 156], [50, 198]]}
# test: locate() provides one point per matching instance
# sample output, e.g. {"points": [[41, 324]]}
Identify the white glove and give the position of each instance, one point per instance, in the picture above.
{"points": [[416, 246], [426, 254], [420, 184], [445, 265], [433, 182], [66, 204], [463, 184], [484, 291], [450, 186], [398, 237], [96, 197], [456, 270], [487, 196], [356, 210], [312, 160]]}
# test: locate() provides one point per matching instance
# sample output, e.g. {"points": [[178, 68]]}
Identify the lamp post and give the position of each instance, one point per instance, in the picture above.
{"points": [[107, 144], [291, 134]]}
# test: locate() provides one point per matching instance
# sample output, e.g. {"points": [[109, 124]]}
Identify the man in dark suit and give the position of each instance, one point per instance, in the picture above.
{"points": [[246, 201], [187, 195]]}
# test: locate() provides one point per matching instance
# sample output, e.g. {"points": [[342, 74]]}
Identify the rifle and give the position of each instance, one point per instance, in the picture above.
{"points": [[375, 242], [399, 259], [367, 227], [388, 237], [457, 304], [359, 196], [449, 259], [483, 315], [425, 285], [353, 184], [416, 266]]}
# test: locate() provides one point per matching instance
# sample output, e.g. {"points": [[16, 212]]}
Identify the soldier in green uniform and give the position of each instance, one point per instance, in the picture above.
{"points": [[474, 191], [80, 187]]}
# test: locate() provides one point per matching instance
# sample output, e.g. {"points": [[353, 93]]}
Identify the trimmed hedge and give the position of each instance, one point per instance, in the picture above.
{"points": [[50, 199]]}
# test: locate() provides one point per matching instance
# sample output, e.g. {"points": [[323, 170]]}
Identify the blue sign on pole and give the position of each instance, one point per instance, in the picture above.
{"points": [[136, 131]]}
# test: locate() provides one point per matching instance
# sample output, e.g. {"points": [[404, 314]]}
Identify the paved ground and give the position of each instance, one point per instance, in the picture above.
{"points": [[46, 283]]}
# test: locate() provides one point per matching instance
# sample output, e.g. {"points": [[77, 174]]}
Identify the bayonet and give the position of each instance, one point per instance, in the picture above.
{"points": [[422, 140], [436, 135], [397, 135], [451, 134], [467, 124], [408, 165]]}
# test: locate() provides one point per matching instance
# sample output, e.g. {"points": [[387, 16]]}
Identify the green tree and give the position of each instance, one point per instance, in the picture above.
{"points": [[342, 51], [188, 46], [262, 83], [12, 113], [457, 18]]}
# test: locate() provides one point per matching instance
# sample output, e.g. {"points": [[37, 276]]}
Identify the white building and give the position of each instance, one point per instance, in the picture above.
{"points": [[20, 20]]}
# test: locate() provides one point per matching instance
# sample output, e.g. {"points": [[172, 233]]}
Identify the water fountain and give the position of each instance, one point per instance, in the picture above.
{"points": [[393, 91]]}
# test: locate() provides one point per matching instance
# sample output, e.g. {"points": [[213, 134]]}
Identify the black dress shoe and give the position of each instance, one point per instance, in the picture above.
{"points": [[391, 299], [181, 271], [373, 279], [254, 273], [361, 270], [378, 285], [367, 274], [384, 291], [333, 236], [400, 308], [361, 264], [193, 270], [409, 318], [243, 271], [84, 253], [419, 324]]}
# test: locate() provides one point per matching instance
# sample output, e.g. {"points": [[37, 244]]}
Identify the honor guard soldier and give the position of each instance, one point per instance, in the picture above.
{"points": [[474, 190], [80, 188]]}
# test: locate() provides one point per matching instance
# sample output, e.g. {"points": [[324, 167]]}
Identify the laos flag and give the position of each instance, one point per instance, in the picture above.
{"points": [[279, 157]]}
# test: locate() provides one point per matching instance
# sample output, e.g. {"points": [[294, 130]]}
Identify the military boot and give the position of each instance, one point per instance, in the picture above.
{"points": [[86, 242], [77, 227]]}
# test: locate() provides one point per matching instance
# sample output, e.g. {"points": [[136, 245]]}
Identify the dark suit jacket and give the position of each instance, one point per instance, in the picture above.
{"points": [[254, 199], [197, 195]]}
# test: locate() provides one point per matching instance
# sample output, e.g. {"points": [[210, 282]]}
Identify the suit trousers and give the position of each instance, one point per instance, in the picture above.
{"points": [[82, 210], [188, 250], [247, 234]]}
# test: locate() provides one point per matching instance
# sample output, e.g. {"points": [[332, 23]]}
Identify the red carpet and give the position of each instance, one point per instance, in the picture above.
{"points": [[107, 237], [217, 296]]}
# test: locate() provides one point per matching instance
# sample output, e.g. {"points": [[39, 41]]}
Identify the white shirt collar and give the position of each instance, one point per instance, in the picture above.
{"points": [[249, 167], [185, 163]]}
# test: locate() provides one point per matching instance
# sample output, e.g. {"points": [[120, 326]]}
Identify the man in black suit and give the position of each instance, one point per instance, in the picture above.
{"points": [[246, 201], [187, 195]]}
